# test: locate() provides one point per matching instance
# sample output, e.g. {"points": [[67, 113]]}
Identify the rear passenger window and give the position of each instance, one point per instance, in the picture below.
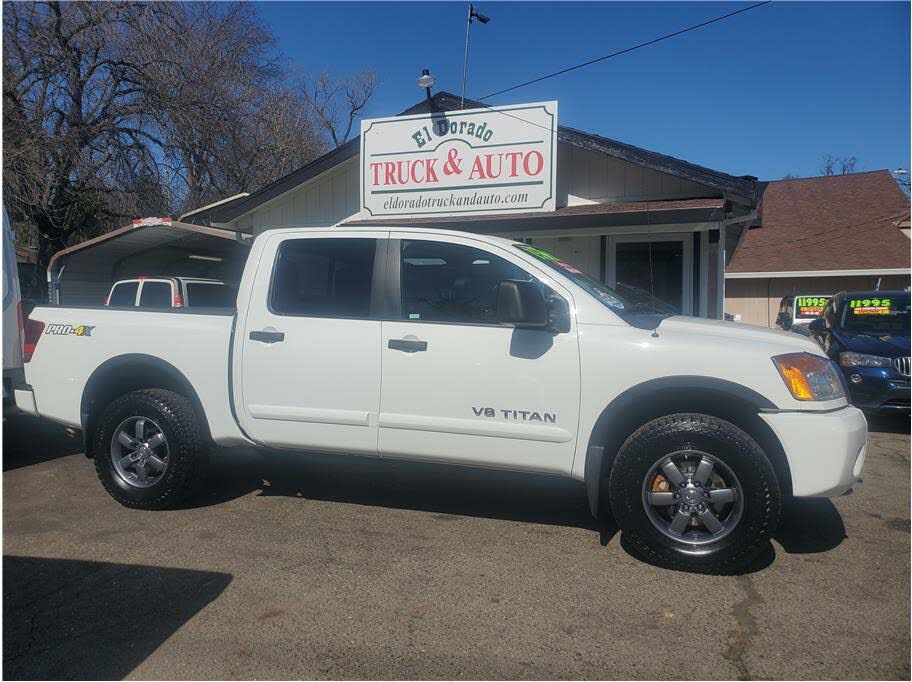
{"points": [[123, 294], [323, 277], [155, 295]]}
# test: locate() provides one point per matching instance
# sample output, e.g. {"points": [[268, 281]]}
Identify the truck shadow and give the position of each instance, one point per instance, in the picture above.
{"points": [[31, 440], [889, 423], [807, 526], [65, 619], [421, 486]]}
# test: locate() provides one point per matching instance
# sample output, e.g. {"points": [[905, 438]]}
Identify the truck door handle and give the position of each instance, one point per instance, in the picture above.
{"points": [[407, 346], [267, 337]]}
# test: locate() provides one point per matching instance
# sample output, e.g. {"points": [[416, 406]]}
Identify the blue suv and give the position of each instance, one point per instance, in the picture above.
{"points": [[867, 334]]}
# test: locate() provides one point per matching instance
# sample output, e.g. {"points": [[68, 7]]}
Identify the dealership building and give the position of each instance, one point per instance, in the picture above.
{"points": [[816, 236], [627, 216]]}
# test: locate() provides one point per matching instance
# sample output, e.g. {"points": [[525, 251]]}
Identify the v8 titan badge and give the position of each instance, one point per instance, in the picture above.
{"points": [[66, 329]]}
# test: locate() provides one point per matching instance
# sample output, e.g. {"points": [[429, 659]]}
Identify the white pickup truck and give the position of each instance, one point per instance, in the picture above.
{"points": [[465, 349]]}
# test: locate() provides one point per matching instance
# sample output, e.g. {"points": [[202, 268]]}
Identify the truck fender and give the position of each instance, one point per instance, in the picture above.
{"points": [[132, 371], [650, 399]]}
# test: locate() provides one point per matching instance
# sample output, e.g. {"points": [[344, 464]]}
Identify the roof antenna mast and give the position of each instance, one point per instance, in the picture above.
{"points": [[473, 14]]}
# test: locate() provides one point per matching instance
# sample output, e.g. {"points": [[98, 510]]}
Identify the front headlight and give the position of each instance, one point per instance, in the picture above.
{"points": [[863, 360], [810, 377]]}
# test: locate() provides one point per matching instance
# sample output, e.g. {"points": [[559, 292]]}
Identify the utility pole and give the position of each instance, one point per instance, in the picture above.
{"points": [[473, 14]]}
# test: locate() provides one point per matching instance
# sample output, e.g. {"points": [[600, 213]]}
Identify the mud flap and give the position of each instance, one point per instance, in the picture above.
{"points": [[593, 475]]}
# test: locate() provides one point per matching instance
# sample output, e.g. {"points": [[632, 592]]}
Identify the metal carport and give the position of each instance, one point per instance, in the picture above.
{"points": [[82, 274]]}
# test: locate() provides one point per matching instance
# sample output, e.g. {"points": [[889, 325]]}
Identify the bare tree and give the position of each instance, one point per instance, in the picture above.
{"points": [[77, 146], [228, 120], [117, 109], [338, 102], [838, 165]]}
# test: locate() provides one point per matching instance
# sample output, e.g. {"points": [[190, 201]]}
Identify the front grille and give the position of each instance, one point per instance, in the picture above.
{"points": [[902, 365]]}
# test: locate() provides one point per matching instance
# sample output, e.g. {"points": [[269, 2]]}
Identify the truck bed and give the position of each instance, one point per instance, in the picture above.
{"points": [[81, 341]]}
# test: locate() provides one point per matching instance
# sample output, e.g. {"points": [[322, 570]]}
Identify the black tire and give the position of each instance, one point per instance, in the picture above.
{"points": [[761, 497], [174, 414]]}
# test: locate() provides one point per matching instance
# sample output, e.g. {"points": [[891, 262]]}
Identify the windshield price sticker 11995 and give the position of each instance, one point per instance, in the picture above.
{"points": [[810, 305], [870, 306]]}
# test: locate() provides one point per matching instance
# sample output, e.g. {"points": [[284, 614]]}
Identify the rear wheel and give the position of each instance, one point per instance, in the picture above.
{"points": [[148, 449], [694, 492]]}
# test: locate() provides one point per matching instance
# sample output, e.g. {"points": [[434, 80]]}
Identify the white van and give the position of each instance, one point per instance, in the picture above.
{"points": [[12, 315]]}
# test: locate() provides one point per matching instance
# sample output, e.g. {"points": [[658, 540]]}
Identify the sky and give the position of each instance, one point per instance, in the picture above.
{"points": [[767, 93]]}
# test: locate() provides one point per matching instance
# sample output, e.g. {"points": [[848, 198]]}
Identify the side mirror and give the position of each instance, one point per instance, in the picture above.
{"points": [[558, 314], [784, 320], [521, 304], [818, 325]]}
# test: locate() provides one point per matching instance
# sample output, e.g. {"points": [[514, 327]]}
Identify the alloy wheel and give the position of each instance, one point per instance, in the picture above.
{"points": [[692, 497], [139, 452]]}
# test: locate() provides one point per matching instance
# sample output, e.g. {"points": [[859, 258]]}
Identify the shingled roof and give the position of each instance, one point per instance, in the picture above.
{"points": [[837, 222], [741, 189]]}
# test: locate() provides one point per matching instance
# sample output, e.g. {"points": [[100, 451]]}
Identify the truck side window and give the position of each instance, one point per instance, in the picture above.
{"points": [[155, 295], [124, 294], [444, 282], [323, 277]]}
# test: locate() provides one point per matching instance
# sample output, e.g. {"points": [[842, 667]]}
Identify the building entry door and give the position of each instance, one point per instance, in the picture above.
{"points": [[656, 268]]}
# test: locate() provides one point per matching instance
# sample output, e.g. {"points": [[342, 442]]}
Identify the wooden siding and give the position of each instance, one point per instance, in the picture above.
{"points": [[588, 177], [326, 200], [583, 177]]}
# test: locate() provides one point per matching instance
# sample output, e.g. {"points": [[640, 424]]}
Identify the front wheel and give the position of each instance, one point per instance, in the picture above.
{"points": [[148, 449], [694, 492]]}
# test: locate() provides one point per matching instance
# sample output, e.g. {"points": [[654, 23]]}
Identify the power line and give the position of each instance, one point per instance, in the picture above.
{"points": [[629, 49]]}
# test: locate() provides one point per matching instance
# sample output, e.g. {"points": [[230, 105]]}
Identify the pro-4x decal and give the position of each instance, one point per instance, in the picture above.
{"points": [[65, 329]]}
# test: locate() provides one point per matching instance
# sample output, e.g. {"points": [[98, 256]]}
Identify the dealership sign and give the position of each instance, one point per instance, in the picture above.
{"points": [[475, 161]]}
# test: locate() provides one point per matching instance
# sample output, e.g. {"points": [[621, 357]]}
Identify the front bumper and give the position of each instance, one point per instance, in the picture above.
{"points": [[825, 450], [877, 388]]}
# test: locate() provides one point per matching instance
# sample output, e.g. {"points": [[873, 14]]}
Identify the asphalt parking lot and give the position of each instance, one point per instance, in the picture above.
{"points": [[331, 567]]}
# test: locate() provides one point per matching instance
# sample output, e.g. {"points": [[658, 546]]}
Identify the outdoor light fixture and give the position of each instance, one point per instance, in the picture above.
{"points": [[196, 256], [426, 81], [482, 19], [475, 14]]}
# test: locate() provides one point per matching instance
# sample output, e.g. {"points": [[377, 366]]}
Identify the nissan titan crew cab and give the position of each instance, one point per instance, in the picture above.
{"points": [[467, 349]]}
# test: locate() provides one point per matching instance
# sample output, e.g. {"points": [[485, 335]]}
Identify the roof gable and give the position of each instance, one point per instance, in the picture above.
{"points": [[741, 189], [838, 222]]}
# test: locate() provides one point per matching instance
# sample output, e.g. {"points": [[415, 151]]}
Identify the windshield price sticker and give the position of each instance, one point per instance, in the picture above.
{"points": [[810, 306], [870, 306], [545, 256]]}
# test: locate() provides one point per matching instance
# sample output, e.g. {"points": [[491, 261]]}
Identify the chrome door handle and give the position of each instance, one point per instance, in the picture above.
{"points": [[267, 337], [407, 346]]}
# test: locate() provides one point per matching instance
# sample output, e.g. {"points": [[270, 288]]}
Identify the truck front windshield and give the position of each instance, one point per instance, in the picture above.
{"points": [[631, 302], [875, 314]]}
